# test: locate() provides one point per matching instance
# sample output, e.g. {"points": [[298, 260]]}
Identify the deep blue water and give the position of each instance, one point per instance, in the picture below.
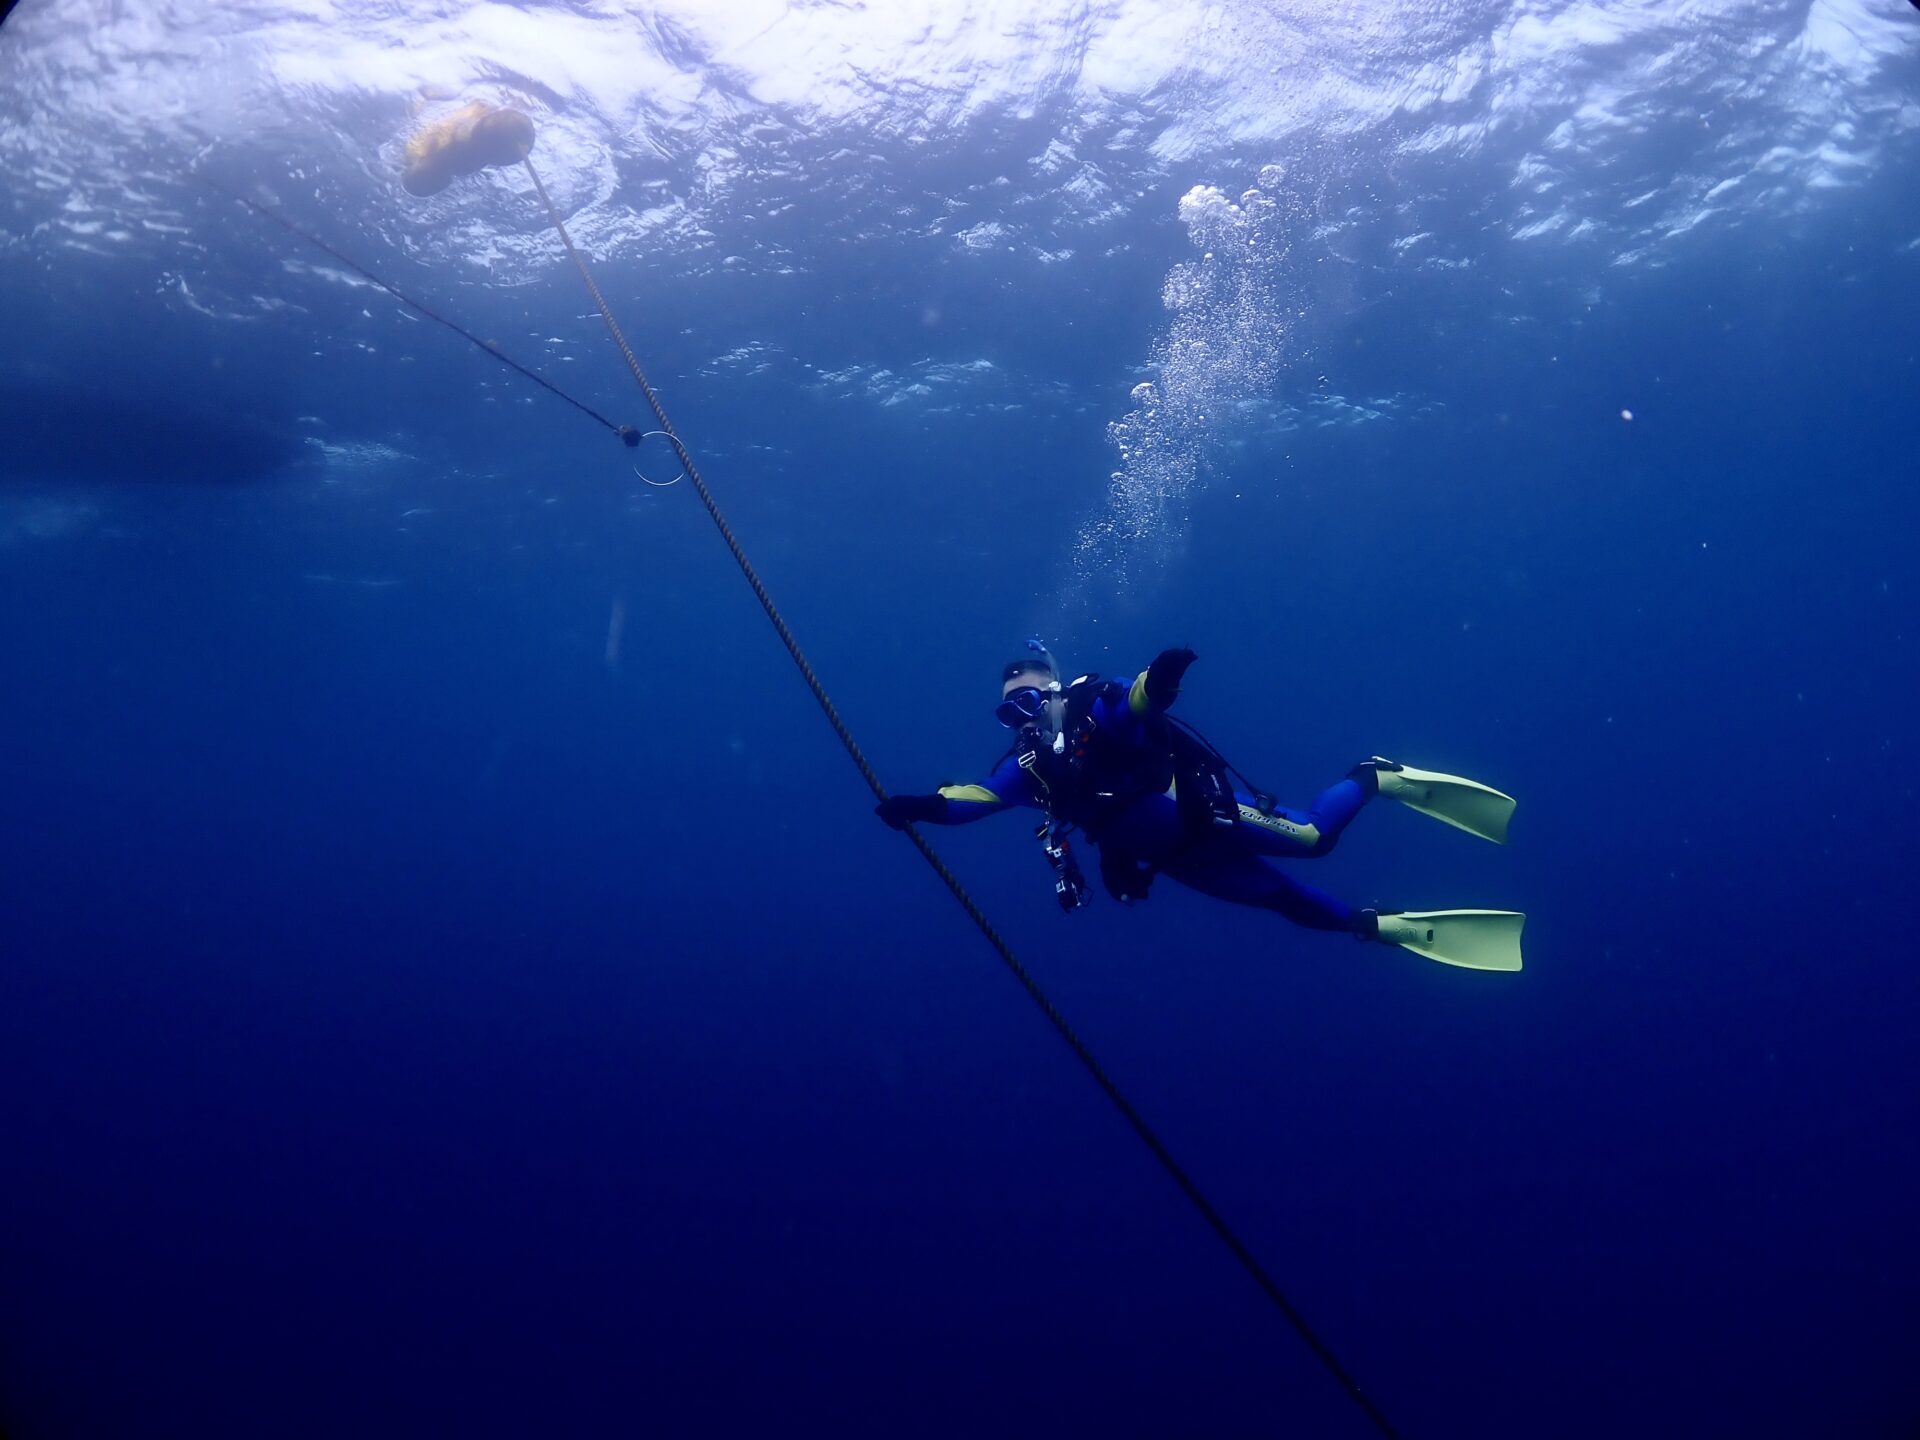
{"points": [[414, 1020]]}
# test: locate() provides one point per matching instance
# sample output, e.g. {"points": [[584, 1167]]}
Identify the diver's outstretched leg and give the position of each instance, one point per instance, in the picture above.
{"points": [[1465, 804], [1471, 939], [1246, 879], [1304, 834]]}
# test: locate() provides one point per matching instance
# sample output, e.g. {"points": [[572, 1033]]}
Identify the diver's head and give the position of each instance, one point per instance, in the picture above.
{"points": [[1029, 693]]}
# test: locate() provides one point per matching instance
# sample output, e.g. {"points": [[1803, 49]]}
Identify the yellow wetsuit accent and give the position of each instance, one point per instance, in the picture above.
{"points": [[978, 793], [1307, 835], [1137, 700]]}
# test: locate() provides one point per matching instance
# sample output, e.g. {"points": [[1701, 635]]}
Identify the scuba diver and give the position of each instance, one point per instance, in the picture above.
{"points": [[1104, 757]]}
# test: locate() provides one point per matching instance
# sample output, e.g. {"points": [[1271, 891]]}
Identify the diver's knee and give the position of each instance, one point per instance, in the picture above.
{"points": [[1315, 839]]}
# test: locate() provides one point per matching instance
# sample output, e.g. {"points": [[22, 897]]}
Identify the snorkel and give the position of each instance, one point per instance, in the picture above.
{"points": [[1039, 647]]}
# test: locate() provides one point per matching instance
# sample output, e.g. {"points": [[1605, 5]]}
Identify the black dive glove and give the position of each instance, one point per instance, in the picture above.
{"points": [[900, 811], [1164, 674]]}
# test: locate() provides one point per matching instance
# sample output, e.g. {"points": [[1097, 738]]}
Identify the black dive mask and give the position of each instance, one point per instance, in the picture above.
{"points": [[1022, 707]]}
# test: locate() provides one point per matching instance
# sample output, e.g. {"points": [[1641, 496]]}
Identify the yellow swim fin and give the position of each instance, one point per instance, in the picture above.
{"points": [[1471, 939], [1465, 804]]}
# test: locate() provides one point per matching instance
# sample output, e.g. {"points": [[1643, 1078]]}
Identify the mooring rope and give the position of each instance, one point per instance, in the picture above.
{"points": [[626, 432], [1188, 1186]]}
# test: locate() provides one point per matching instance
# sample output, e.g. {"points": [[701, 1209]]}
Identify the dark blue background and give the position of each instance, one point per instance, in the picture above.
{"points": [[412, 1026]]}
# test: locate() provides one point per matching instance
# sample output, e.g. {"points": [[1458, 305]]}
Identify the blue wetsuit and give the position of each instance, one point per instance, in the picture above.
{"points": [[1145, 827]]}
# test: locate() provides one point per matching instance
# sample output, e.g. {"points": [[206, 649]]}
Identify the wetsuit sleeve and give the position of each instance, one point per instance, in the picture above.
{"points": [[1112, 708], [1158, 686], [1150, 692], [1007, 785], [1122, 704]]}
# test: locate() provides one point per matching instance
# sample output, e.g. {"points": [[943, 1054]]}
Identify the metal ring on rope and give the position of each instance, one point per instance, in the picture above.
{"points": [[673, 440]]}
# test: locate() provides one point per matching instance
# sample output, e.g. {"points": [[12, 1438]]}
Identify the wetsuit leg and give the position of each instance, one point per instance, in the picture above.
{"points": [[1230, 873], [1302, 835]]}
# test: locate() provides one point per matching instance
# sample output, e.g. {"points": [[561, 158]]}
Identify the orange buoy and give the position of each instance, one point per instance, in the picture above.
{"points": [[472, 138]]}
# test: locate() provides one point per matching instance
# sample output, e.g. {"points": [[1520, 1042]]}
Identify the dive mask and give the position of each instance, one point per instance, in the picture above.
{"points": [[1022, 707]]}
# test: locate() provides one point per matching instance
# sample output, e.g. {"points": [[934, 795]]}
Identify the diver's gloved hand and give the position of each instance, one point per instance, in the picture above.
{"points": [[900, 811], [1165, 673]]}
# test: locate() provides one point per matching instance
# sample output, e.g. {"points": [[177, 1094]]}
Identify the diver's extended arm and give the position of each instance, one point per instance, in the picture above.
{"points": [[1153, 690], [1159, 683], [960, 804]]}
